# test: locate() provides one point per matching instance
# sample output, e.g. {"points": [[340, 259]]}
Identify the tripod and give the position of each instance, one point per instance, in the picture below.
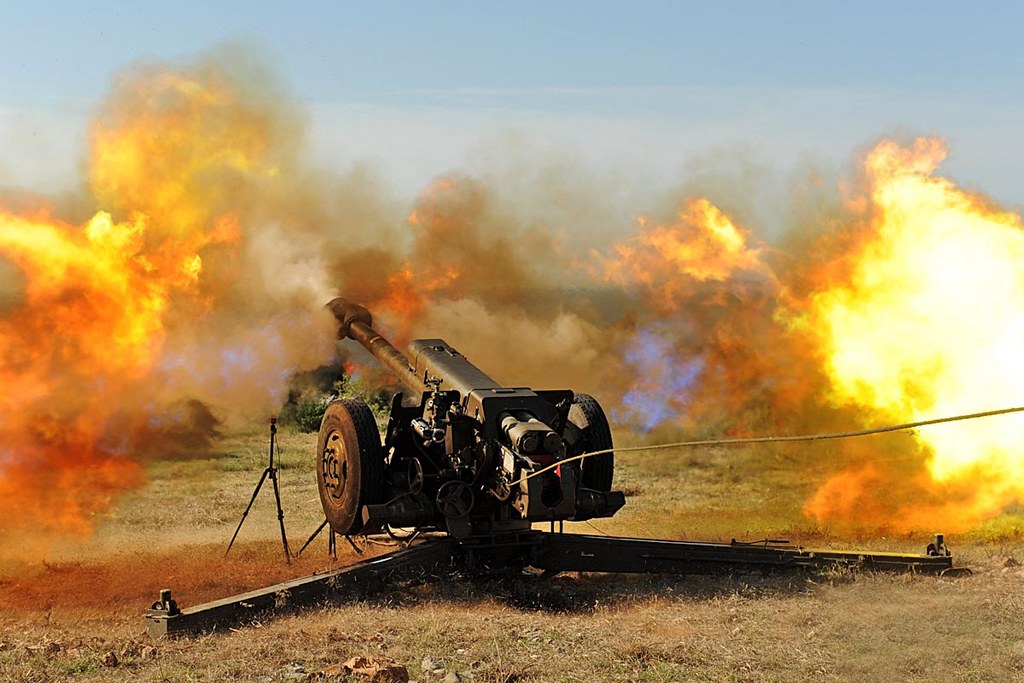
{"points": [[269, 471]]}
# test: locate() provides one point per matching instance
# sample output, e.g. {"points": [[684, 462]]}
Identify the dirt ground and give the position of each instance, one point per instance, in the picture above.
{"points": [[78, 614]]}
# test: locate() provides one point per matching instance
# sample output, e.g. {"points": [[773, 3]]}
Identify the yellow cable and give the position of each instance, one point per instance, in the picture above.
{"points": [[776, 439]]}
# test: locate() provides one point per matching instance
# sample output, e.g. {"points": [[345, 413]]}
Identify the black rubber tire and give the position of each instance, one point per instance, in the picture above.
{"points": [[350, 464], [586, 415]]}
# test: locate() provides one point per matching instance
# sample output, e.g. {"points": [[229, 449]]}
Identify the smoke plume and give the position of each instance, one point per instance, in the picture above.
{"points": [[184, 287]]}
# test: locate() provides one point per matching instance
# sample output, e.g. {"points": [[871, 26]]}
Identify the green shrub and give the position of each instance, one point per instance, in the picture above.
{"points": [[312, 392], [309, 410], [378, 398]]}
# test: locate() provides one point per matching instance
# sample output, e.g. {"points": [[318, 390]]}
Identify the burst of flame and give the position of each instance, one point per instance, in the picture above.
{"points": [[91, 323], [914, 310], [166, 142], [702, 245], [703, 280], [929, 322], [918, 312], [402, 296], [439, 225]]}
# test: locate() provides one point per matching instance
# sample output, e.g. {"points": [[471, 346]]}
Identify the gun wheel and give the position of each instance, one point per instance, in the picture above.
{"points": [[593, 434], [350, 468]]}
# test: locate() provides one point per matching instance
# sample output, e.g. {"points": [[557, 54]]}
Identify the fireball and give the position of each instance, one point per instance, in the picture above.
{"points": [[82, 341], [929, 322]]}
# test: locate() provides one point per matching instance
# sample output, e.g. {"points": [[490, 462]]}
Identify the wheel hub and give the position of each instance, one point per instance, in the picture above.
{"points": [[334, 465]]}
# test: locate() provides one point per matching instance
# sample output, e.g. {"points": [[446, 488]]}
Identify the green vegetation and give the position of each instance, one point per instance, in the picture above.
{"points": [[312, 392]]}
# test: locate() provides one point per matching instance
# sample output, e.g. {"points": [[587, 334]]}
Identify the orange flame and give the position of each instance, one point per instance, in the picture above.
{"points": [[89, 327], [91, 323], [704, 244], [914, 311], [169, 145], [928, 322], [708, 298], [445, 254]]}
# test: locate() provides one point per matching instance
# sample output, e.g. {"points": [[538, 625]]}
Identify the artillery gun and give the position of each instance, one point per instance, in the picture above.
{"points": [[461, 453], [471, 467]]}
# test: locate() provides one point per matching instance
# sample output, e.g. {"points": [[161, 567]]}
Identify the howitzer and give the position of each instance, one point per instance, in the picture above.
{"points": [[459, 448], [480, 464]]}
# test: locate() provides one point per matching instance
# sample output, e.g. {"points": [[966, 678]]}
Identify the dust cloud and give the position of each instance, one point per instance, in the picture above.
{"points": [[183, 287]]}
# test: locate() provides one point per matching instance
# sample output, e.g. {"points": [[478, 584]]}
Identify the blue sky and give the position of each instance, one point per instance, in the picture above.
{"points": [[398, 52], [640, 90]]}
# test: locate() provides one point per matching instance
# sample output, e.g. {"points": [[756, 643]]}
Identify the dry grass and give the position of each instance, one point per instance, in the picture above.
{"points": [[69, 619]]}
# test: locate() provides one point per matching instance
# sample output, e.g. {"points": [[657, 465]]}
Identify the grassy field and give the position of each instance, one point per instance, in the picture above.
{"points": [[77, 616]]}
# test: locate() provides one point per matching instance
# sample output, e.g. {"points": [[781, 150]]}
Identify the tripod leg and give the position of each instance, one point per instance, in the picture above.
{"points": [[310, 539], [247, 508], [353, 544], [280, 516]]}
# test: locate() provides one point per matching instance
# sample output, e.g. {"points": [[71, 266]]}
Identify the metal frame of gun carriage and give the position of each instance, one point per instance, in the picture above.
{"points": [[472, 466]]}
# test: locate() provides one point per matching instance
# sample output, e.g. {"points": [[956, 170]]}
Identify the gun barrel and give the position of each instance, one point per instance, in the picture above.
{"points": [[355, 322], [431, 359]]}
